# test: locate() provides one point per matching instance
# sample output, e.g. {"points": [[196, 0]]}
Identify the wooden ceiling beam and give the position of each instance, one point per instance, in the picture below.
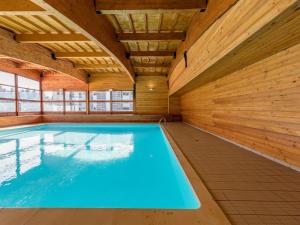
{"points": [[151, 74], [152, 65], [151, 36], [20, 8], [76, 55], [97, 66], [80, 15], [35, 54], [149, 4], [151, 53], [50, 38]]}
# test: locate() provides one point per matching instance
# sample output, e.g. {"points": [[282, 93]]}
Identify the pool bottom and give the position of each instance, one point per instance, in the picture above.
{"points": [[92, 166]]}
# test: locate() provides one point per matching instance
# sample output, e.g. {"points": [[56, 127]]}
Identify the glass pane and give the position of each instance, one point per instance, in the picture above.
{"points": [[29, 106], [100, 106], [28, 83], [75, 95], [100, 96], [7, 106], [53, 96], [53, 107], [122, 95], [7, 78], [122, 106], [75, 106], [27, 94], [7, 92]]}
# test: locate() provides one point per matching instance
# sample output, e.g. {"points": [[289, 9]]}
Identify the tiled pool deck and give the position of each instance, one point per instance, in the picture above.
{"points": [[250, 189]]}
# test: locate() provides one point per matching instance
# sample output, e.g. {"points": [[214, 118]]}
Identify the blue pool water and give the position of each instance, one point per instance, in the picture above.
{"points": [[91, 166]]}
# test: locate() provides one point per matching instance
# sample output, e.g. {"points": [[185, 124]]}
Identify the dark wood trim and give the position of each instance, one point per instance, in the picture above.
{"points": [[151, 36], [149, 4]]}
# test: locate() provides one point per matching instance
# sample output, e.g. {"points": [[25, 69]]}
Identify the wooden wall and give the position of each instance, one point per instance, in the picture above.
{"points": [[251, 30], [258, 106], [7, 121], [10, 66], [151, 95], [147, 101], [55, 81], [110, 81]]}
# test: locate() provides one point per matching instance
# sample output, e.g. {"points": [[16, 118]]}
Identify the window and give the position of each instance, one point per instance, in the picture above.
{"points": [[64, 101], [100, 106], [29, 95], [53, 95], [122, 101], [7, 93], [75, 101], [53, 106], [122, 95], [75, 106], [100, 101], [122, 106], [53, 101], [111, 101], [7, 106], [75, 96]]}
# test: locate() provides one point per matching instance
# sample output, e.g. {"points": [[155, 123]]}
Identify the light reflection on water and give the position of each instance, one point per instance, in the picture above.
{"points": [[91, 166], [20, 155]]}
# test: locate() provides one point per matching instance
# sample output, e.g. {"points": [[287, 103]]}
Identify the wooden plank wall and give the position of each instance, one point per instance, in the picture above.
{"points": [[110, 81], [7, 121], [258, 106], [55, 81], [147, 101], [151, 95], [232, 42]]}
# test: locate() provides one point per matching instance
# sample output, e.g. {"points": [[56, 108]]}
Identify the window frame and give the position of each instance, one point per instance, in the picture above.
{"points": [[16, 98], [17, 87], [64, 102], [111, 101]]}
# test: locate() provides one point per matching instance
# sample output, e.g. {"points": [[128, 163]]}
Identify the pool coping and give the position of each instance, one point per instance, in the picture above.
{"points": [[208, 214]]}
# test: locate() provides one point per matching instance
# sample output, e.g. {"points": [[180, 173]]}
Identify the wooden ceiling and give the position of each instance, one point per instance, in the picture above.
{"points": [[101, 37]]}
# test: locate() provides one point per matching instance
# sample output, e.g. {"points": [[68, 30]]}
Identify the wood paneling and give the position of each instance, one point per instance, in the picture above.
{"points": [[52, 81], [151, 95], [257, 106], [37, 55], [113, 81], [93, 118], [10, 66], [174, 105], [201, 21], [19, 120], [80, 15], [232, 42]]}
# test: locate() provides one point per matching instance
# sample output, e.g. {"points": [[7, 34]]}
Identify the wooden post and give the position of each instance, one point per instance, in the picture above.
{"points": [[16, 94]]}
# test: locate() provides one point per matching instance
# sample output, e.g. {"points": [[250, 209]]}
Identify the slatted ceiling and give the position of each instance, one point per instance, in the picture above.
{"points": [[6, 23], [154, 21], [151, 22]]}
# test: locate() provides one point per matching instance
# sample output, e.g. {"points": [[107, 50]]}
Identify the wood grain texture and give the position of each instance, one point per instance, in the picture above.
{"points": [[257, 106], [110, 81], [34, 54], [200, 22], [149, 4], [101, 118], [19, 120], [10, 66], [54, 81], [81, 16], [228, 46], [151, 95]]}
